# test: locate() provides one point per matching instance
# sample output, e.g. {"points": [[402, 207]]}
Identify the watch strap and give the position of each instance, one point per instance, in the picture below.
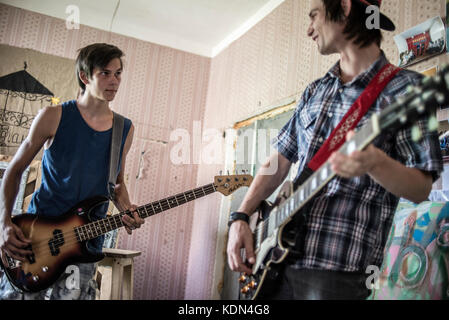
{"points": [[234, 216]]}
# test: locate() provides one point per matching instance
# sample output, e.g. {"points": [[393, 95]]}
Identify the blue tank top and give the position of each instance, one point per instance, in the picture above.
{"points": [[75, 167]]}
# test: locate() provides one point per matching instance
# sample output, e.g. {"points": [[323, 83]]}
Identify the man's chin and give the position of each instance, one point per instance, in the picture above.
{"points": [[109, 97], [325, 52], [106, 99]]}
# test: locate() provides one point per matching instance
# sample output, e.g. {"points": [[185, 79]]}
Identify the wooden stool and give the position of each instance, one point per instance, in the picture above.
{"points": [[115, 274]]}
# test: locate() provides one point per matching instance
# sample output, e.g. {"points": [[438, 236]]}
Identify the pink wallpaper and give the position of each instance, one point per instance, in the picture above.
{"points": [[276, 60]]}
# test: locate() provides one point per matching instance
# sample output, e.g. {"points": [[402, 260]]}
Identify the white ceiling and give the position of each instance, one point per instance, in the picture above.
{"points": [[203, 27]]}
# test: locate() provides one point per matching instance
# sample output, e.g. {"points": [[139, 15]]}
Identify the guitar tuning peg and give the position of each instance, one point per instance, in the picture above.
{"points": [[427, 96], [228, 172], [403, 119], [421, 109], [440, 97], [433, 123], [416, 133], [221, 172]]}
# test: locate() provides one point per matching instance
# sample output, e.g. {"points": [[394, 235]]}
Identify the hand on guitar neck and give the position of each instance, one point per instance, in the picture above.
{"points": [[387, 172], [134, 222], [356, 164]]}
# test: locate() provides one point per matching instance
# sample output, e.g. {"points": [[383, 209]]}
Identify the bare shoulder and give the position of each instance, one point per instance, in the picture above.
{"points": [[47, 120], [42, 129], [51, 112]]}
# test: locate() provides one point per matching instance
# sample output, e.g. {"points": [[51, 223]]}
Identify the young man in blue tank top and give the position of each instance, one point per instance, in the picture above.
{"points": [[76, 138]]}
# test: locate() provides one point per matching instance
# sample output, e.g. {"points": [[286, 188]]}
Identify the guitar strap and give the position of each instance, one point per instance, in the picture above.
{"points": [[116, 141], [338, 137]]}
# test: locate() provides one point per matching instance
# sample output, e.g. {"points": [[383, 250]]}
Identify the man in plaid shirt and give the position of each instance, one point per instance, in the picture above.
{"points": [[347, 223]]}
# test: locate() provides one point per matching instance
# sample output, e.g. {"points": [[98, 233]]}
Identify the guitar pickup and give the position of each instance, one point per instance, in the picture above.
{"points": [[31, 257]]}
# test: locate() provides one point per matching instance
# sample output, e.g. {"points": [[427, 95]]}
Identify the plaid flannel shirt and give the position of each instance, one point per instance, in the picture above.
{"points": [[347, 223]]}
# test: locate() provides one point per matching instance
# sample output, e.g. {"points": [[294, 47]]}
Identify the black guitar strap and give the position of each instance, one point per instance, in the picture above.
{"points": [[116, 142]]}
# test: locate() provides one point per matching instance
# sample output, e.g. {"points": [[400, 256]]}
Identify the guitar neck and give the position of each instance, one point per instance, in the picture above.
{"points": [[97, 228], [316, 182]]}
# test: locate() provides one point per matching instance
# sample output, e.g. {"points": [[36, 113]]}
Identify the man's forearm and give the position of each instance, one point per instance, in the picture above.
{"points": [[121, 201], [8, 193], [264, 184], [261, 188], [409, 183]]}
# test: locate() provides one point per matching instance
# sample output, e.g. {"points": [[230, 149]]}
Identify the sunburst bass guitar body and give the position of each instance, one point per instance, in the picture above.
{"points": [[55, 243]]}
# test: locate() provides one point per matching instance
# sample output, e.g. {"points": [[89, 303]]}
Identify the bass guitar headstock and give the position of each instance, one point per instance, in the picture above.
{"points": [[230, 183]]}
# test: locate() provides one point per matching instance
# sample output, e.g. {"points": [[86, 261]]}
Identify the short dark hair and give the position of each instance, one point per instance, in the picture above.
{"points": [[97, 55], [355, 24]]}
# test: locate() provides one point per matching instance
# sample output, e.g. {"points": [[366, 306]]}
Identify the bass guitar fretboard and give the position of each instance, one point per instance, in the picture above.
{"points": [[97, 228]]}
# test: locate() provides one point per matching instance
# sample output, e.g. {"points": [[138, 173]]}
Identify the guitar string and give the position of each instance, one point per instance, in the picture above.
{"points": [[261, 230], [74, 238], [297, 201], [46, 252], [164, 206]]}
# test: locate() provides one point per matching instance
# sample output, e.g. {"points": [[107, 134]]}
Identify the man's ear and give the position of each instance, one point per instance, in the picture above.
{"points": [[82, 75], [346, 6]]}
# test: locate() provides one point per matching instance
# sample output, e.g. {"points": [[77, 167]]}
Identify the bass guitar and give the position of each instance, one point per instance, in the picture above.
{"points": [[274, 236], [58, 242]]}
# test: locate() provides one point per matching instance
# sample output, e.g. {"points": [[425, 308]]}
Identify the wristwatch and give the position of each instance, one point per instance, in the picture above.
{"points": [[234, 216]]}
